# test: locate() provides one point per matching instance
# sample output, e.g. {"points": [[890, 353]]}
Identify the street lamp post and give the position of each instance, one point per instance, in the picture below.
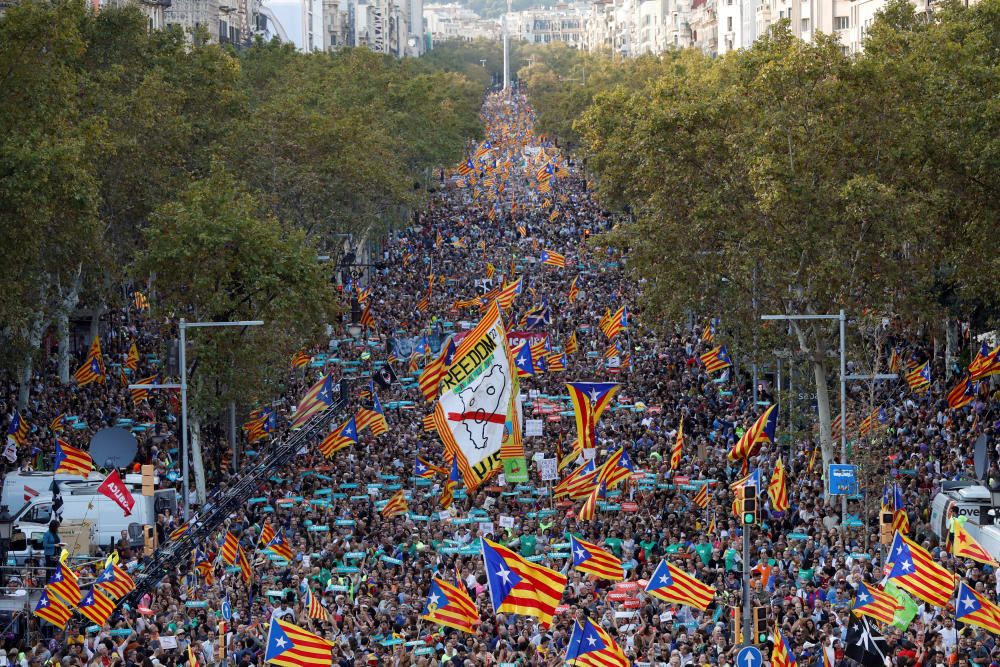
{"points": [[183, 326], [842, 318]]}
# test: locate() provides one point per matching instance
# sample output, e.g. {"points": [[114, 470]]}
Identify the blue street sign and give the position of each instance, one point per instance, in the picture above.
{"points": [[843, 480], [749, 656]]}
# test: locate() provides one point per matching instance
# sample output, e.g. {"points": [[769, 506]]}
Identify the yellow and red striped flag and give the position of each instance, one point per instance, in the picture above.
{"points": [[592, 559], [396, 506], [92, 369], [671, 584], [450, 606], [518, 586], [777, 488]]}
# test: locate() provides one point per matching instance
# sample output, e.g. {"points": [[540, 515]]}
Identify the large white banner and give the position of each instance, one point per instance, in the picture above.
{"points": [[475, 396]]}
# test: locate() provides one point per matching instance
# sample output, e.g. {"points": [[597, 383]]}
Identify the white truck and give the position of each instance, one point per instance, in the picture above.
{"points": [[82, 502], [970, 500]]}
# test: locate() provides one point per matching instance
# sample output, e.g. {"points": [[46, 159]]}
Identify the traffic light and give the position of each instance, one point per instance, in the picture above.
{"points": [[737, 618], [760, 624], [749, 512]]}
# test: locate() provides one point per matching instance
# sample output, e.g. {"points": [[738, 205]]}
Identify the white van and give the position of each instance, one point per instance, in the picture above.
{"points": [[82, 502], [968, 500], [21, 487]]}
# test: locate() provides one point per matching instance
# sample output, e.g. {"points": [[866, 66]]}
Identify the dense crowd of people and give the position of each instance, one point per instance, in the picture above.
{"points": [[484, 227]]}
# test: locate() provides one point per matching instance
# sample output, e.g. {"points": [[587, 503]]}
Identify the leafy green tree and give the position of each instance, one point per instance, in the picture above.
{"points": [[47, 183], [764, 183], [219, 255]]}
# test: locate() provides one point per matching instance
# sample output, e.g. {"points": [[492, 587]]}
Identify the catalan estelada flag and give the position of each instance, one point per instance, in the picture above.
{"points": [[777, 488], [974, 609], [671, 584], [523, 361], [17, 430], [132, 360], [895, 362], [964, 545], [518, 586], [266, 534], [986, 363], [115, 581], [450, 606], [92, 369], [508, 293], [616, 322], [339, 438], [317, 399], [962, 393], [675, 453], [553, 258], [578, 484], [591, 646], [434, 372], [96, 606], [590, 400], [571, 344], [63, 582], [300, 359], [716, 359], [140, 395], [708, 333], [574, 291], [450, 484], [140, 301], [183, 529], [589, 508], [314, 608], [57, 425], [781, 653], [426, 470], [557, 362], [920, 377], [71, 460], [281, 547], [762, 431], [52, 610], [915, 571], [396, 506], [371, 419], [288, 645], [592, 559], [873, 601]]}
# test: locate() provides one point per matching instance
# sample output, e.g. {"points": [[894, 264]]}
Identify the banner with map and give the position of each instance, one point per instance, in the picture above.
{"points": [[476, 394]]}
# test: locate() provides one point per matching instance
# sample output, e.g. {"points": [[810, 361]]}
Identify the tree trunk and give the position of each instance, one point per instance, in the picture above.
{"points": [[817, 357], [67, 302], [34, 341], [62, 331], [197, 463], [95, 320], [950, 338], [24, 385]]}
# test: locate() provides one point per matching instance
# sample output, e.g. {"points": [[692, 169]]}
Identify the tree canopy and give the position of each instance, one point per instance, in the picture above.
{"points": [[792, 178], [112, 133]]}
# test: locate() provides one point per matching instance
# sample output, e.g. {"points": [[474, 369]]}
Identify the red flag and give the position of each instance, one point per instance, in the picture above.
{"points": [[113, 487]]}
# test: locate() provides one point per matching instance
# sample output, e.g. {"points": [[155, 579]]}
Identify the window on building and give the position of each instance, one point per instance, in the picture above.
{"points": [[805, 25], [841, 22], [729, 24]]}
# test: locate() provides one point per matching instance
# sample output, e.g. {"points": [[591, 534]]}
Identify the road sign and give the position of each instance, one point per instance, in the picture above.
{"points": [[749, 656]]}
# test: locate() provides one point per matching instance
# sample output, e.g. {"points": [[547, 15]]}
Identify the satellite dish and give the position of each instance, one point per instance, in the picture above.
{"points": [[113, 447], [979, 457]]}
